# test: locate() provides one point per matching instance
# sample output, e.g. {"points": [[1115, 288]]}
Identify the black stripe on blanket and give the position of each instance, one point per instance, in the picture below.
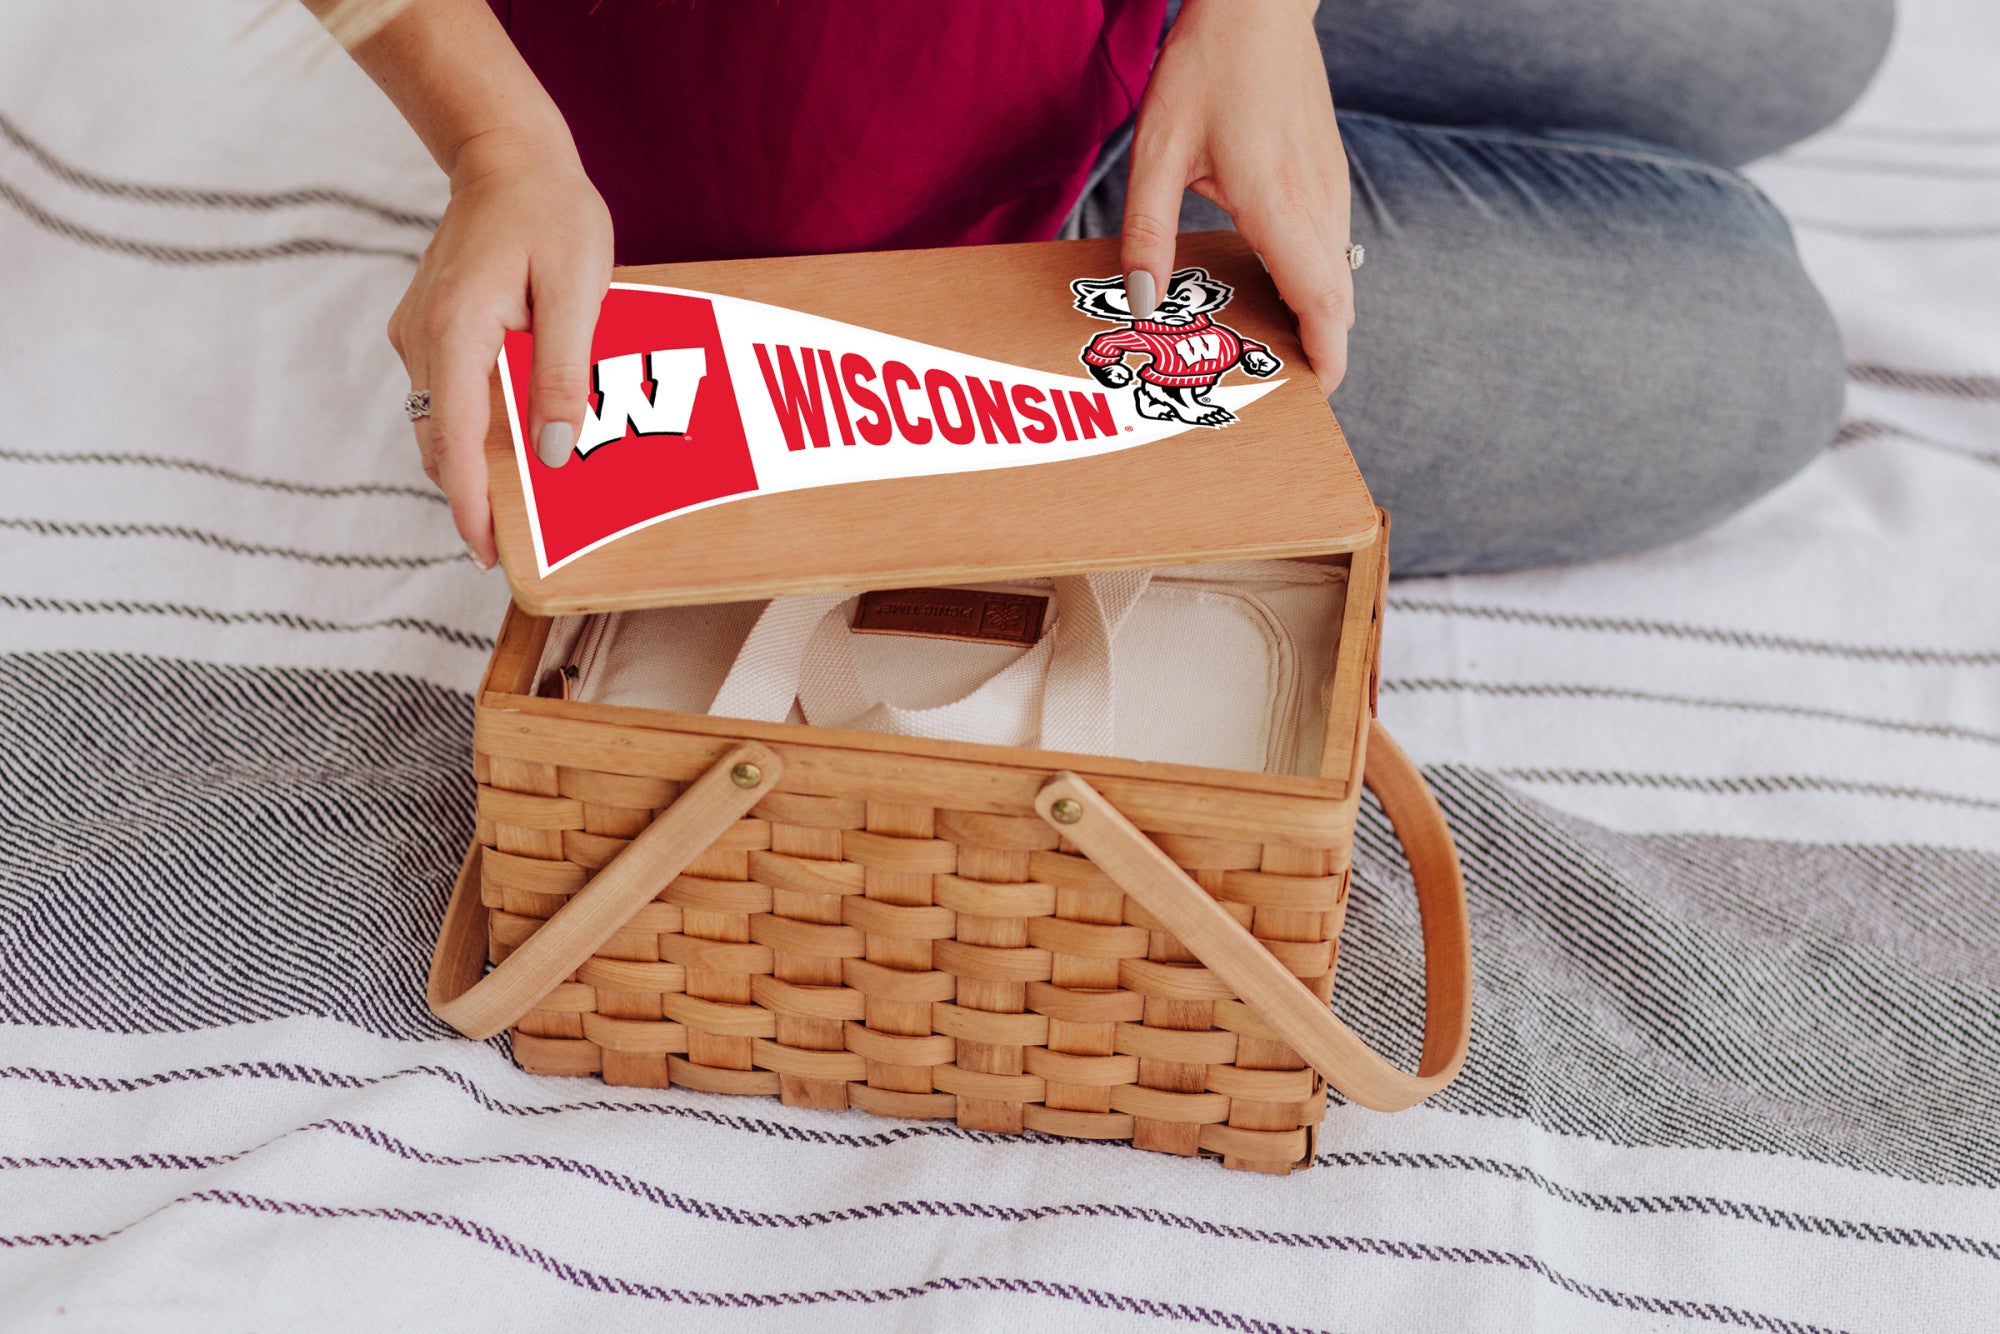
{"points": [[109, 458], [187, 845], [191, 197], [349, 560], [1719, 635], [1752, 785], [162, 253], [1572, 691], [1840, 1003], [283, 620], [1184, 1313], [676, 1201], [1860, 429], [1925, 382]]}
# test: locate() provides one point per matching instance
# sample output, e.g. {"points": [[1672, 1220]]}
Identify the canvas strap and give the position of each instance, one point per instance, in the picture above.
{"points": [[1057, 695]]}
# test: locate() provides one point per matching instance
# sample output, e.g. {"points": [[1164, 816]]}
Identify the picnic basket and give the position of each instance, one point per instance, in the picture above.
{"points": [[1012, 938]]}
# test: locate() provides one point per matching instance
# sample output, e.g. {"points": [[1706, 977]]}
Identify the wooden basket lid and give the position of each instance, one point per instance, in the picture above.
{"points": [[1279, 481]]}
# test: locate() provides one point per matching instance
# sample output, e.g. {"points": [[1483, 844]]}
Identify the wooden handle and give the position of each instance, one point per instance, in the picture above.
{"points": [[479, 1006], [1297, 1016]]}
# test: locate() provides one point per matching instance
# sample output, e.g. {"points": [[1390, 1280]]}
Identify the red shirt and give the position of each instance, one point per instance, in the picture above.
{"points": [[734, 128], [1195, 353]]}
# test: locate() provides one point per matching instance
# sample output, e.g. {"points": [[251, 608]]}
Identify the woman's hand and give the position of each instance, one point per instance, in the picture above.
{"points": [[525, 240], [1238, 109]]}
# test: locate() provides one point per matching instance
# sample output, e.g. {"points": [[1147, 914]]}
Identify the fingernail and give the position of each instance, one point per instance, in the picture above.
{"points": [[1139, 293], [476, 558], [553, 445]]}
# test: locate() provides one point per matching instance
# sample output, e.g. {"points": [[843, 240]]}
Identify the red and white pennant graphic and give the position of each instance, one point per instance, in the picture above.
{"points": [[699, 399]]}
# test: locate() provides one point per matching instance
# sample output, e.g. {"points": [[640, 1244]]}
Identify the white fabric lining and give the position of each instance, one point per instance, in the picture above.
{"points": [[1224, 666]]}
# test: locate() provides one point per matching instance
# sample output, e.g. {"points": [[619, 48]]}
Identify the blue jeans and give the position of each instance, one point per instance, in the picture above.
{"points": [[1579, 332]]}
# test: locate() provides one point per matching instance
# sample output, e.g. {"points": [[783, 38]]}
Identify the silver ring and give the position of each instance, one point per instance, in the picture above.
{"points": [[1356, 256], [417, 404]]}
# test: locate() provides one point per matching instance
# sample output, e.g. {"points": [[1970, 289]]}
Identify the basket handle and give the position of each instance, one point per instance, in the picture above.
{"points": [[1297, 1016], [480, 1006]]}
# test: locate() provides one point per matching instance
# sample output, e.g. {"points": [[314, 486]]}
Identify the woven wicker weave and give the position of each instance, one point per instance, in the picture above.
{"points": [[915, 962], [901, 927]]}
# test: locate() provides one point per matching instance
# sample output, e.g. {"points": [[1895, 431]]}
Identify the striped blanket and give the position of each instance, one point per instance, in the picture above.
{"points": [[1730, 815]]}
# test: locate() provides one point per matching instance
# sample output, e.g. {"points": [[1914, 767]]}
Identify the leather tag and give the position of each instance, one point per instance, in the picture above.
{"points": [[953, 613]]}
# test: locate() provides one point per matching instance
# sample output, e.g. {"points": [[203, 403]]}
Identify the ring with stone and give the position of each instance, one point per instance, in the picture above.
{"points": [[417, 404], [1356, 256]]}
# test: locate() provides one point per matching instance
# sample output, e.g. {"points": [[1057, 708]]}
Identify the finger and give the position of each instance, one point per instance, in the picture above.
{"points": [[1319, 292], [1158, 177], [410, 349], [399, 320], [1336, 228], [415, 355], [462, 359], [427, 452], [416, 361], [564, 318]]}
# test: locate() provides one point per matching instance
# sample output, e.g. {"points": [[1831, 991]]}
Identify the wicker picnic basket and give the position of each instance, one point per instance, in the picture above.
{"points": [[1012, 938]]}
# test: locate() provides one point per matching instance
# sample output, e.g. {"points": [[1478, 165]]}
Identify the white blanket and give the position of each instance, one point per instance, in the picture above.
{"points": [[1730, 815]]}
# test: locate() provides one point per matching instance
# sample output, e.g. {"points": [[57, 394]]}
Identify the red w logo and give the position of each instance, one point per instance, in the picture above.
{"points": [[624, 404], [1196, 348]]}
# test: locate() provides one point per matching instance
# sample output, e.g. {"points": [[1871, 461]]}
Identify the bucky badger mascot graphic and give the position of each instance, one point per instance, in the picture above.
{"points": [[1185, 351]]}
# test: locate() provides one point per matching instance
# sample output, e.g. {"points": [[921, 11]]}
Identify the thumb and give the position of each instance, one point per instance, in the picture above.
{"points": [[565, 317], [1152, 220]]}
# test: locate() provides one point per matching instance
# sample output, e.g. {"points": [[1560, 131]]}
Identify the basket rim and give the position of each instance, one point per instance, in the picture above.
{"points": [[1025, 759], [506, 688]]}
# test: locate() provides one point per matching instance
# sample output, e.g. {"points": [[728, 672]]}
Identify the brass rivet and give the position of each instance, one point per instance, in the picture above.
{"points": [[747, 775], [1066, 811]]}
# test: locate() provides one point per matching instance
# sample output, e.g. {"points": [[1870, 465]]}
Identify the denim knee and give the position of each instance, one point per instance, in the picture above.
{"points": [[1565, 352], [1726, 81], [1813, 62]]}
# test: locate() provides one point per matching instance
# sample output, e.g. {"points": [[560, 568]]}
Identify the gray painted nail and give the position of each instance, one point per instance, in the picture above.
{"points": [[553, 445], [1139, 293]]}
